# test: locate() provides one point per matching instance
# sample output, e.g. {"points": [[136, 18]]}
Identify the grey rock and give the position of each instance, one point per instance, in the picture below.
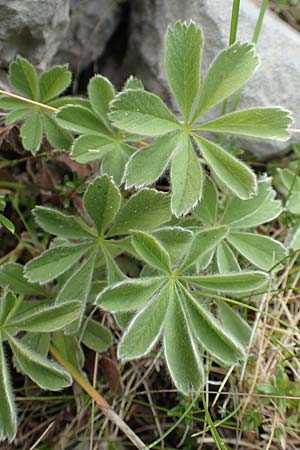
{"points": [[277, 80], [33, 29], [92, 22]]}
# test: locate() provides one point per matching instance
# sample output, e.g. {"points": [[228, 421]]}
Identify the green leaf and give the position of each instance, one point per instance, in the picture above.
{"points": [[47, 318], [11, 275], [102, 201], [8, 304], [182, 58], [114, 162], [259, 209], [56, 135], [186, 178], [151, 251], [96, 337], [54, 262], [113, 272], [42, 371], [262, 251], [234, 324], [141, 112], [292, 204], [149, 163], [32, 132], [12, 103], [210, 334], [230, 282], [262, 123], [128, 295], [231, 69], [89, 148], [233, 173], [133, 83], [59, 224], [53, 82], [77, 287], [23, 77], [38, 342], [8, 414], [145, 211], [290, 180], [202, 244], [206, 209], [295, 240], [175, 240], [17, 115], [68, 100], [81, 120], [7, 223], [69, 348], [226, 259], [181, 353], [101, 93], [146, 327]]}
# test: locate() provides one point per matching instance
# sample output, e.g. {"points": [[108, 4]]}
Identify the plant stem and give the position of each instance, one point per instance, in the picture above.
{"points": [[101, 402], [260, 20], [255, 37], [232, 35], [234, 21], [27, 100]]}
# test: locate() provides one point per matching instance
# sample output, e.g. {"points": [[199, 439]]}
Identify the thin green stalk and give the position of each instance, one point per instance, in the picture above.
{"points": [[255, 37], [215, 434], [173, 427], [232, 35], [260, 20]]}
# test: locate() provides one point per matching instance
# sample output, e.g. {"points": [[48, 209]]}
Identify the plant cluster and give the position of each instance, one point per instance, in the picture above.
{"points": [[191, 245]]}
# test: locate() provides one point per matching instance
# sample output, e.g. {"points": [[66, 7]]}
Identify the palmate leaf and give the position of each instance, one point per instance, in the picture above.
{"points": [[259, 209], [96, 337], [11, 276], [81, 120], [263, 251], [175, 240], [46, 318], [102, 201], [44, 372], [32, 132], [54, 262], [262, 123], [231, 69], [182, 58], [8, 304], [181, 353], [101, 93], [206, 209], [141, 112], [77, 287], [8, 414], [233, 173], [145, 211], [209, 332], [202, 244], [164, 305], [23, 77], [234, 324], [186, 178], [56, 135], [226, 259], [128, 295], [233, 282], [146, 327], [149, 249], [149, 163], [7, 223], [53, 82], [89, 147], [55, 222]]}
